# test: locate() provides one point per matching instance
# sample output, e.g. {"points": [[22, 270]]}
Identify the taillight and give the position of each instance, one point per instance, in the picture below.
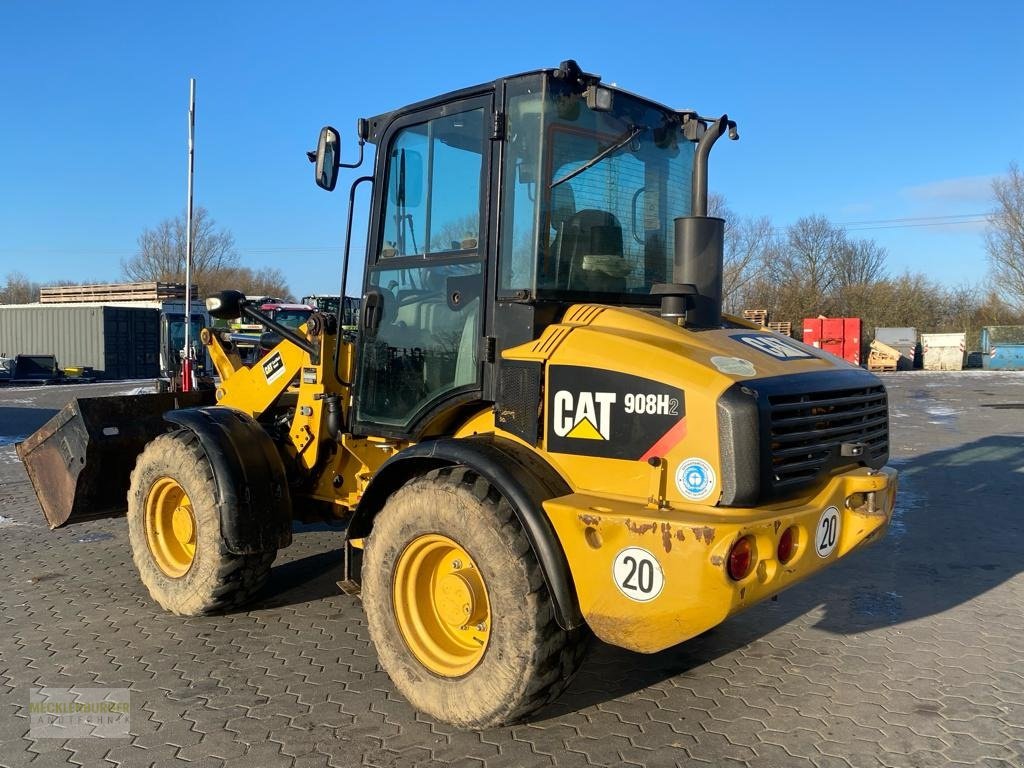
{"points": [[787, 544], [741, 558]]}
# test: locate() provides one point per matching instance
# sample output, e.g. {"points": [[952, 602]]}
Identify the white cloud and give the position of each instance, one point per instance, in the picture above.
{"points": [[965, 189]]}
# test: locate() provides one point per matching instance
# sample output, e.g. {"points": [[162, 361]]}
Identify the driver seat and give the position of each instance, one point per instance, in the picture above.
{"points": [[591, 253]]}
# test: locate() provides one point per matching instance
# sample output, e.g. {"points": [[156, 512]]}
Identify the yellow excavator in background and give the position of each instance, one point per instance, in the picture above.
{"points": [[543, 427]]}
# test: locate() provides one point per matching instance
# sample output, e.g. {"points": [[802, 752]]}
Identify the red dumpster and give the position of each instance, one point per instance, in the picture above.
{"points": [[839, 336]]}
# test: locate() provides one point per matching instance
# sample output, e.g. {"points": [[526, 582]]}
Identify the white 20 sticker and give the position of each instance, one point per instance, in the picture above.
{"points": [[638, 575], [827, 534]]}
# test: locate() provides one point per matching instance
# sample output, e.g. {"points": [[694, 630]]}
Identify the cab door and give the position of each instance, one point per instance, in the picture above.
{"points": [[421, 320]]}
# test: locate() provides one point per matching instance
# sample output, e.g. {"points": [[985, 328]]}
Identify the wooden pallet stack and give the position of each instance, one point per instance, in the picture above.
{"points": [[882, 357], [759, 316], [98, 292]]}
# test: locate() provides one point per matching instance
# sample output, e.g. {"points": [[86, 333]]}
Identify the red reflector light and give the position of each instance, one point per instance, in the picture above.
{"points": [[787, 544], [741, 558]]}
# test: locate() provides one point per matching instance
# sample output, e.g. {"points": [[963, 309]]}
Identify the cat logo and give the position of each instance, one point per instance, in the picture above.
{"points": [[618, 416], [587, 416], [773, 346]]}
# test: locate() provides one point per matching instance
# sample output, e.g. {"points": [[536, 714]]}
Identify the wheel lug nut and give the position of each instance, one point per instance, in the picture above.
{"points": [[456, 564]]}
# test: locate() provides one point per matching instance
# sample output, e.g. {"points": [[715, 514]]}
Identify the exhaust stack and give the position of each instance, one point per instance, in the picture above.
{"points": [[699, 238]]}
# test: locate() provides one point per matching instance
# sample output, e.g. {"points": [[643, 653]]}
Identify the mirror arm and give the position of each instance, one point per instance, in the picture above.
{"points": [[358, 162]]}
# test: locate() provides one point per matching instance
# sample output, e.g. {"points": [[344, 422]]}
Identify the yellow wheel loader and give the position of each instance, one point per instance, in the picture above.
{"points": [[543, 427]]}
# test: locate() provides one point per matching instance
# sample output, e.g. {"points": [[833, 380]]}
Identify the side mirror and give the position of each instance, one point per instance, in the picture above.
{"points": [[328, 158], [226, 305]]}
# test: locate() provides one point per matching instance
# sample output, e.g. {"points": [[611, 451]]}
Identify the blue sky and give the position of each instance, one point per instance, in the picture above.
{"points": [[863, 112]]}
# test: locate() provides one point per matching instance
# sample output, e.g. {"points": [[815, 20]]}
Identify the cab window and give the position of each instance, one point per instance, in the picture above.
{"points": [[433, 186]]}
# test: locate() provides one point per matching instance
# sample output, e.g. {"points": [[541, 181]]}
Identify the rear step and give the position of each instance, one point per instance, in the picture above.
{"points": [[80, 461]]}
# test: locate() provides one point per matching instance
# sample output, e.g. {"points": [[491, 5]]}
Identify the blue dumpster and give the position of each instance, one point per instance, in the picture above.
{"points": [[1002, 347]]}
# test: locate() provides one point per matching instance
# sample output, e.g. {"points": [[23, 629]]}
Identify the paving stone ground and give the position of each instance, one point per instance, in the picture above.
{"points": [[908, 654]]}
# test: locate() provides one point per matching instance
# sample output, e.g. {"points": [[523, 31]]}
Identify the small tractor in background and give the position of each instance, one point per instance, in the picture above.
{"points": [[543, 427]]}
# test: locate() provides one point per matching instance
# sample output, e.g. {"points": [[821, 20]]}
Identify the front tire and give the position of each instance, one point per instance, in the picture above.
{"points": [[174, 530], [457, 605]]}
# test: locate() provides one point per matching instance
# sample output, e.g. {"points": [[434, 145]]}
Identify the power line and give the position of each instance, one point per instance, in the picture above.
{"points": [[908, 223], [923, 224], [914, 218]]}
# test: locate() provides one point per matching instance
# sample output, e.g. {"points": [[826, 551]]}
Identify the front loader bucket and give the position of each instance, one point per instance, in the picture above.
{"points": [[81, 460]]}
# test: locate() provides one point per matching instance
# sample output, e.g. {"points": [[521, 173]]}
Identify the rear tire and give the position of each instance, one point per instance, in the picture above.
{"points": [[174, 530], [526, 659]]}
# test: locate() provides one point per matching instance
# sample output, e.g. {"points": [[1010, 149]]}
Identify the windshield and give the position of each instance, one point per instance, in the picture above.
{"points": [[292, 318], [176, 332], [590, 196]]}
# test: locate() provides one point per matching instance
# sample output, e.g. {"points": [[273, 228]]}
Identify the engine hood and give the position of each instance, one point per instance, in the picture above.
{"points": [[623, 384]]}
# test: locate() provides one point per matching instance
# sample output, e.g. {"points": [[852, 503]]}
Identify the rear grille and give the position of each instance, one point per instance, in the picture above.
{"points": [[807, 432]]}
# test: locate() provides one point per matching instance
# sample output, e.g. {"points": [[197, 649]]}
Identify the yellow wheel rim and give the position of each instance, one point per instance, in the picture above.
{"points": [[441, 604], [170, 527]]}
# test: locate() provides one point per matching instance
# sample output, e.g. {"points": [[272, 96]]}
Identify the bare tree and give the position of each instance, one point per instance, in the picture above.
{"points": [[750, 244], [215, 261], [268, 281], [1004, 239], [18, 289], [859, 262], [161, 254], [810, 253], [750, 247]]}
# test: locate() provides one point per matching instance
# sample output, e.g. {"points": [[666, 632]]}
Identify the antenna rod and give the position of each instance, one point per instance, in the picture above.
{"points": [[187, 381]]}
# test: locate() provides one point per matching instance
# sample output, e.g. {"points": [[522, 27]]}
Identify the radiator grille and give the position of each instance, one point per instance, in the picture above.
{"points": [[808, 433]]}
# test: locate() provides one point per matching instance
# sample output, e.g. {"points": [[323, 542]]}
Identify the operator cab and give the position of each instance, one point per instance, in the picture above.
{"points": [[494, 209]]}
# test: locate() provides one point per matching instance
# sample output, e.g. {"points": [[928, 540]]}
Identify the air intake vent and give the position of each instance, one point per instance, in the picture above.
{"points": [[812, 433], [781, 437]]}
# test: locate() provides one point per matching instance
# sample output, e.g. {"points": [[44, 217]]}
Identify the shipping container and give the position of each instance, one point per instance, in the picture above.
{"points": [[1002, 347], [903, 339], [839, 336], [116, 342], [943, 351]]}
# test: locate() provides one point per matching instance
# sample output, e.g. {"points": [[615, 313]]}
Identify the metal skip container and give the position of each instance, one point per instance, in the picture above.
{"points": [[943, 351], [1002, 347], [905, 341], [80, 461]]}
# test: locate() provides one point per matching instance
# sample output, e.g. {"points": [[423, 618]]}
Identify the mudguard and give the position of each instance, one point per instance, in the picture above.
{"points": [[254, 505], [523, 478]]}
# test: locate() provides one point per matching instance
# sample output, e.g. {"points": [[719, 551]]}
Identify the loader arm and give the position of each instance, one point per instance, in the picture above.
{"points": [[253, 389]]}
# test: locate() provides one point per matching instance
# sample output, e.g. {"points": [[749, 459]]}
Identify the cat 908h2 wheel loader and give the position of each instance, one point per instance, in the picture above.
{"points": [[544, 427]]}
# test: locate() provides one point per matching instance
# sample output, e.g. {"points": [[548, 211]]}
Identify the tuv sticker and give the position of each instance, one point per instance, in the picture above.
{"points": [[734, 366]]}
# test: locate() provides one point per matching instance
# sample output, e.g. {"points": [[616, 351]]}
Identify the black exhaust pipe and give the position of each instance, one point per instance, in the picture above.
{"points": [[699, 256], [699, 238]]}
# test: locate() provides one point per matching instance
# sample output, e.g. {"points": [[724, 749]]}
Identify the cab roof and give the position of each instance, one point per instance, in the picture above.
{"points": [[380, 122]]}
